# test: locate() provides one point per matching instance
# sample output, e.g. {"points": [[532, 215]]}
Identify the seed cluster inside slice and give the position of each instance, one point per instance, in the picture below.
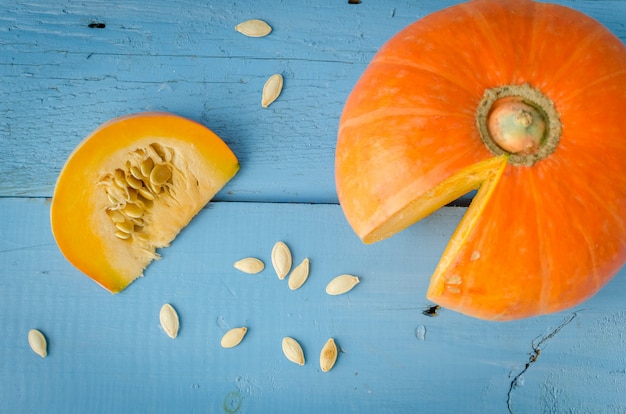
{"points": [[132, 189]]}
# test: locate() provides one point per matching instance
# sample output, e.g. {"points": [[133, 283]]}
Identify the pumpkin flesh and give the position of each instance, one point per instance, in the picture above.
{"points": [[82, 211], [537, 238]]}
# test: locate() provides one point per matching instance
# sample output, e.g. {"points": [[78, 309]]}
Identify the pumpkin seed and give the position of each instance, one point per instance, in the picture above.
{"points": [[250, 265], [341, 284], [293, 350], [169, 320], [131, 195], [271, 90], [133, 210], [112, 199], [141, 237], [38, 343], [299, 275], [146, 167], [116, 216], [145, 193], [161, 153], [254, 28], [156, 189], [122, 235], [138, 222], [160, 174], [233, 337], [125, 226], [134, 182], [117, 191], [281, 259], [328, 356], [119, 178], [135, 172]]}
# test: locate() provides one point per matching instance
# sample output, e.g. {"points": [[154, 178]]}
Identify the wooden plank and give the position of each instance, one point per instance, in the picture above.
{"points": [[60, 79], [108, 353]]}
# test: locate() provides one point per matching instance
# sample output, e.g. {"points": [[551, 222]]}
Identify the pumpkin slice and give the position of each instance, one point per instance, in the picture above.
{"points": [[130, 187], [526, 106]]}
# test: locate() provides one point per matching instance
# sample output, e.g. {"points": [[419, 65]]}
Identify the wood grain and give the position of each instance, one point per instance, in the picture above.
{"points": [[107, 353], [61, 79], [66, 67]]}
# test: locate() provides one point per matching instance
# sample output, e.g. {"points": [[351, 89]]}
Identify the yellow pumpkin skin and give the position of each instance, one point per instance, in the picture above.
{"points": [[81, 211]]}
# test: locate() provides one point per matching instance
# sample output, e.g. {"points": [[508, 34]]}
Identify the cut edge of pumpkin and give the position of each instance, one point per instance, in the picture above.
{"points": [[468, 179], [436, 290]]}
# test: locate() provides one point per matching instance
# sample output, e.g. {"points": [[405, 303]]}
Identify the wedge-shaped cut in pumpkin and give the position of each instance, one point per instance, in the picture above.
{"points": [[482, 175], [527, 107], [130, 187]]}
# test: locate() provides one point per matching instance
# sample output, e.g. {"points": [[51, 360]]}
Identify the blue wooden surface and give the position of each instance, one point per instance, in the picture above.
{"points": [[59, 79]]}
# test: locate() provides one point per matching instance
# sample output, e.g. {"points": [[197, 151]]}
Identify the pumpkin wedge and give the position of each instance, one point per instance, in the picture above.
{"points": [[130, 187], [522, 101]]}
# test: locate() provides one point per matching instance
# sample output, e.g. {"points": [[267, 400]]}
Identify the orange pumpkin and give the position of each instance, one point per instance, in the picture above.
{"points": [[130, 187], [522, 101]]}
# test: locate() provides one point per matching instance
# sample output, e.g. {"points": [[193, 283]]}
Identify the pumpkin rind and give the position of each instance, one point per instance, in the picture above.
{"points": [[547, 236], [80, 208]]}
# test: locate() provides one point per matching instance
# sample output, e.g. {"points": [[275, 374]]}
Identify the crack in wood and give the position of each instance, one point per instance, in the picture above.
{"points": [[537, 345], [17, 249]]}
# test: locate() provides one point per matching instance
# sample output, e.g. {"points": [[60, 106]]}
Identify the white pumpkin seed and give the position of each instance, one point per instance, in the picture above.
{"points": [[293, 350], [233, 337], [299, 275], [281, 259], [341, 284], [169, 320], [38, 343], [254, 28], [250, 265], [271, 90], [328, 356]]}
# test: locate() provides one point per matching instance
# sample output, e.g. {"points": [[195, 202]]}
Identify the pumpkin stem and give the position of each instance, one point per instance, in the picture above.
{"points": [[515, 126], [520, 121]]}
